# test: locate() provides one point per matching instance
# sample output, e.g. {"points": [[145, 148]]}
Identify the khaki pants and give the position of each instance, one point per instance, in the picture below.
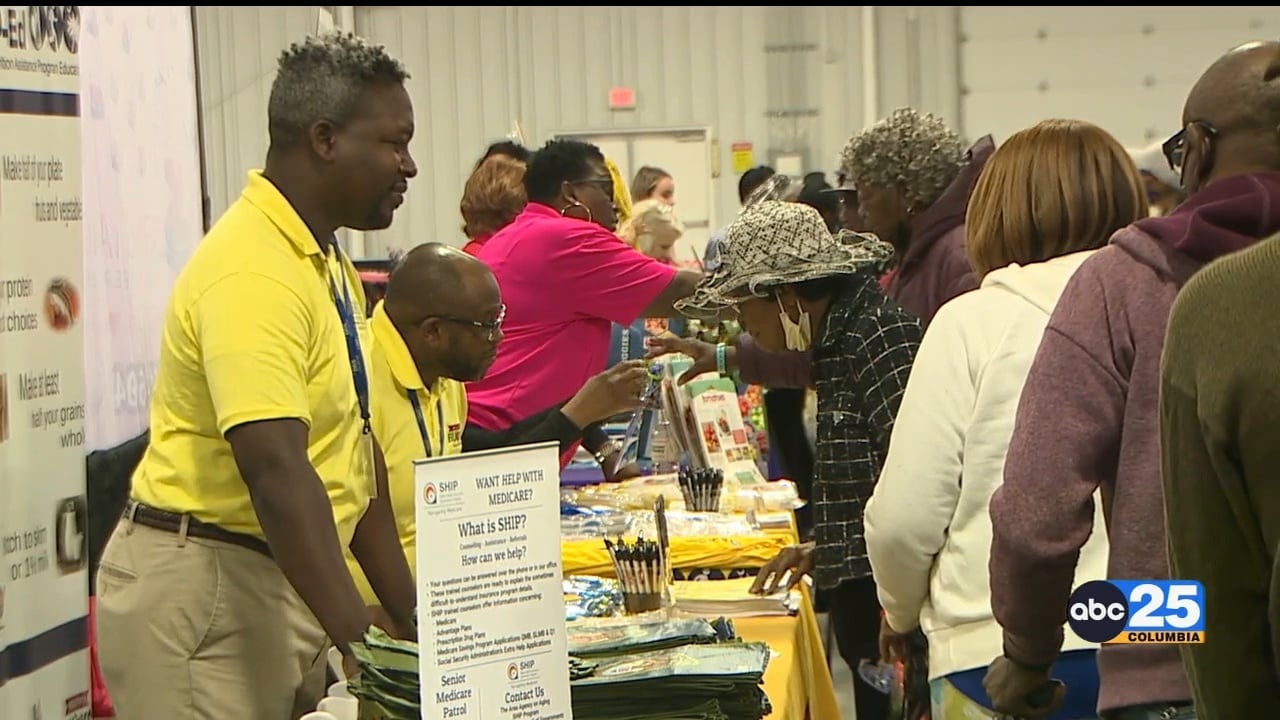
{"points": [[193, 629]]}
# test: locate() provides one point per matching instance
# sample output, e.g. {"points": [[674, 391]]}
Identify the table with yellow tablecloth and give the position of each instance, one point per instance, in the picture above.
{"points": [[798, 679]]}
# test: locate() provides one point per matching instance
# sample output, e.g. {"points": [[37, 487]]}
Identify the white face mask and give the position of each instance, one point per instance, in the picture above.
{"points": [[798, 335]]}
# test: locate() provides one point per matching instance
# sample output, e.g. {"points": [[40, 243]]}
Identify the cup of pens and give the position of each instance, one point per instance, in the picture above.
{"points": [[641, 568], [701, 488]]}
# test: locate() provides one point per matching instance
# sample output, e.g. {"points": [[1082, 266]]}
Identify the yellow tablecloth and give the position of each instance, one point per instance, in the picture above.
{"points": [[798, 679], [589, 557]]}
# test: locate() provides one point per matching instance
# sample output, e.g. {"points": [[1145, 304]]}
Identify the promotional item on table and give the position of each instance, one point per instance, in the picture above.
{"points": [[589, 596], [593, 641], [701, 488], [668, 668], [697, 681], [732, 598], [777, 497], [641, 419], [642, 567], [639, 568]]}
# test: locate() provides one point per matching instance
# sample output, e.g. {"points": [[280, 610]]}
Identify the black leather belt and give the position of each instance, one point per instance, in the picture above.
{"points": [[172, 522]]}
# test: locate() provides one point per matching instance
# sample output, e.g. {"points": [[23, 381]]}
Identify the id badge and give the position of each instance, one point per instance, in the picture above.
{"points": [[372, 467]]}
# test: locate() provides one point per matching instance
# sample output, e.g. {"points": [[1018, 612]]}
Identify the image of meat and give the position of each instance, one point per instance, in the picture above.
{"points": [[61, 304]]}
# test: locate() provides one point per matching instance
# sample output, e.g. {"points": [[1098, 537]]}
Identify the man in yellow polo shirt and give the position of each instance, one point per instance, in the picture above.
{"points": [[439, 327], [220, 588]]}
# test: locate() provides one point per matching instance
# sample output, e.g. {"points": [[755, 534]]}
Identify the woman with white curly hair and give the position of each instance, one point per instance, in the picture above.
{"points": [[913, 178]]}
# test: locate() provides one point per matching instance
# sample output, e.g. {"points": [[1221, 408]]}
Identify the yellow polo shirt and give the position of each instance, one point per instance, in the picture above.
{"points": [[393, 375], [252, 333]]}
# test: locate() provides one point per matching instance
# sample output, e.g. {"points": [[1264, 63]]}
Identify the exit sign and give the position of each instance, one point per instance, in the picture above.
{"points": [[622, 98]]}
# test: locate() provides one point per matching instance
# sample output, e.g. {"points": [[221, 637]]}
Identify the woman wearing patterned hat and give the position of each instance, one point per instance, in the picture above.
{"points": [[796, 286]]}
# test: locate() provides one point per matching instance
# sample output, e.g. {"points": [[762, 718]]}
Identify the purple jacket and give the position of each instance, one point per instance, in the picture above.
{"points": [[935, 267], [933, 270], [1089, 419]]}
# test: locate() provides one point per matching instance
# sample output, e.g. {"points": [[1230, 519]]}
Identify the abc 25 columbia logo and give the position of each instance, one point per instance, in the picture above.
{"points": [[1162, 612]]}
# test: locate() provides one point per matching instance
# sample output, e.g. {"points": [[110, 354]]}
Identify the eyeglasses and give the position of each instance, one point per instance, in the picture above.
{"points": [[492, 326], [605, 184], [1175, 148]]}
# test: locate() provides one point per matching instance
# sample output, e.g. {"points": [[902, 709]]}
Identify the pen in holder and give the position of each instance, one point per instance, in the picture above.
{"points": [[701, 488], [639, 566]]}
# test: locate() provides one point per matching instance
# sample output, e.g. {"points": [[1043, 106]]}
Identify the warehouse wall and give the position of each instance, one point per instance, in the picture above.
{"points": [[781, 78], [236, 53], [1125, 68], [784, 79]]}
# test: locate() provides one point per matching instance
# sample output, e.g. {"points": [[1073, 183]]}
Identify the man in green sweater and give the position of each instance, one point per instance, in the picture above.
{"points": [[1220, 414]]}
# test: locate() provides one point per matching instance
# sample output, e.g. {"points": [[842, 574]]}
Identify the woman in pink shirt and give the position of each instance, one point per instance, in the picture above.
{"points": [[565, 277]]}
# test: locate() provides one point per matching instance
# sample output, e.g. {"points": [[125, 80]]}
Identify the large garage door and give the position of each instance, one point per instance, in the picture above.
{"points": [[1127, 69]]}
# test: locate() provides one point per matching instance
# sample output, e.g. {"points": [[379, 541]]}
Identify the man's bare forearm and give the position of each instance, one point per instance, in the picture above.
{"points": [[297, 519], [376, 546]]}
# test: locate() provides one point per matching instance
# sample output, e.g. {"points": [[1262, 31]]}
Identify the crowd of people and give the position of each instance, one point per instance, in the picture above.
{"points": [[1025, 357]]}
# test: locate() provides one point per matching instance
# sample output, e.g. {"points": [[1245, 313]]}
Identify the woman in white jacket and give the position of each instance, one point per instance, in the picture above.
{"points": [[1047, 198]]}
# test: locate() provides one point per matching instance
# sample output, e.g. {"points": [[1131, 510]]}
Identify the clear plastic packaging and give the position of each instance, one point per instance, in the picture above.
{"points": [[636, 438], [590, 597], [879, 675], [777, 496], [682, 523]]}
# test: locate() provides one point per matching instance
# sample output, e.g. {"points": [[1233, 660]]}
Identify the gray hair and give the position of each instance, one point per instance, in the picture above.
{"points": [[914, 153], [323, 78]]}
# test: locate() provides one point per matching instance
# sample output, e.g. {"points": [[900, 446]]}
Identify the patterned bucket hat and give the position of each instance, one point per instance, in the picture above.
{"points": [[780, 243]]}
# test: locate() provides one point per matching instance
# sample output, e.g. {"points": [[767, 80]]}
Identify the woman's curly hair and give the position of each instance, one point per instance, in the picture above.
{"points": [[912, 152]]}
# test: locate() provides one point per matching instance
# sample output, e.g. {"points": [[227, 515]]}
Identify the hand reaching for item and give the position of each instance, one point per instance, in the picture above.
{"points": [[613, 391], [626, 472], [792, 564], [702, 353]]}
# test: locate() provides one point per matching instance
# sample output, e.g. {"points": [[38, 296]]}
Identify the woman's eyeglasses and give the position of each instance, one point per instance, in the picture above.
{"points": [[605, 185]]}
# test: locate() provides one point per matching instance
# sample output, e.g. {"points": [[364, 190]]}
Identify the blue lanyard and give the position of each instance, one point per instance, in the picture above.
{"points": [[346, 313], [422, 425]]}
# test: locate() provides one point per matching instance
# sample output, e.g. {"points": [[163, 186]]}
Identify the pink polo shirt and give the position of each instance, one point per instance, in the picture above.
{"points": [[564, 282]]}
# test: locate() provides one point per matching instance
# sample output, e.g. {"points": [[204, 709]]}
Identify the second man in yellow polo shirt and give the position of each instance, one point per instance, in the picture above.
{"points": [[439, 327]]}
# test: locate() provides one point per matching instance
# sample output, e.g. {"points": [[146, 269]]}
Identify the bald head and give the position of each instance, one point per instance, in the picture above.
{"points": [[434, 279], [1231, 121], [1240, 90]]}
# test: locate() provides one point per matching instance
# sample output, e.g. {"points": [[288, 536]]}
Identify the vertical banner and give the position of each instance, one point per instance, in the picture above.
{"points": [[44, 661], [142, 201]]}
